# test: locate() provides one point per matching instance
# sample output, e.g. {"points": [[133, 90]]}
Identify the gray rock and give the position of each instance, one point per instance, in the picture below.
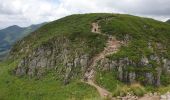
{"points": [[132, 77], [84, 60], [158, 77], [166, 65], [150, 78], [20, 71], [144, 61]]}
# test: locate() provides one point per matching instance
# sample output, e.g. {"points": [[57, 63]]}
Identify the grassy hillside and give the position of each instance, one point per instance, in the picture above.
{"points": [[48, 88], [79, 26], [140, 33]]}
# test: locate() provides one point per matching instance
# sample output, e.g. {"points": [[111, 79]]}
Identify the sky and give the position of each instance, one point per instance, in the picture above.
{"points": [[27, 12]]}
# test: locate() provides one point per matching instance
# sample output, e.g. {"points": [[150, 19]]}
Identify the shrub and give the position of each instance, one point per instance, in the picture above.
{"points": [[121, 91], [135, 89], [165, 80]]}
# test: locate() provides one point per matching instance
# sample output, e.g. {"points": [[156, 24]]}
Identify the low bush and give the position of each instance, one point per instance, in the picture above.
{"points": [[137, 89], [134, 89]]}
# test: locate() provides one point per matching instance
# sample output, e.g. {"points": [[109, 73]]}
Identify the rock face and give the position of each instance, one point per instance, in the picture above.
{"points": [[129, 74], [166, 65], [74, 62], [54, 55]]}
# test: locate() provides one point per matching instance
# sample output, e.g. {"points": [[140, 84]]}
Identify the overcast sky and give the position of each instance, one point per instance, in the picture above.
{"points": [[26, 12]]}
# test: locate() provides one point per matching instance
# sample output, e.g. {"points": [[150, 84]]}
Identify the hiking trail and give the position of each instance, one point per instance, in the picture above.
{"points": [[112, 46]]}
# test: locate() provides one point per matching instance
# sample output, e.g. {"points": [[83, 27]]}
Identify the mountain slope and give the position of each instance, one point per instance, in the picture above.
{"points": [[105, 49], [10, 35], [168, 21]]}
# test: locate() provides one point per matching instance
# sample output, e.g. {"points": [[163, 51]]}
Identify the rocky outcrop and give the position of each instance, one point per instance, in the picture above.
{"points": [[56, 55], [166, 65], [130, 72]]}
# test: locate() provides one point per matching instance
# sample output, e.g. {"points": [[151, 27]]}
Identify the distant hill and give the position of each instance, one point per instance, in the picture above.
{"points": [[168, 21], [10, 35]]}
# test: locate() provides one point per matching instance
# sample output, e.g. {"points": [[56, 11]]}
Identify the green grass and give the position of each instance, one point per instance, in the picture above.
{"points": [[47, 88], [72, 27], [107, 80]]}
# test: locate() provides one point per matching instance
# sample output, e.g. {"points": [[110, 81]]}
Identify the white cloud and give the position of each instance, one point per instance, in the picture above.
{"points": [[26, 12]]}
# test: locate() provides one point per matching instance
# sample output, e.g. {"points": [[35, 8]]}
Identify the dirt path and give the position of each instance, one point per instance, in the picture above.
{"points": [[112, 46], [103, 92]]}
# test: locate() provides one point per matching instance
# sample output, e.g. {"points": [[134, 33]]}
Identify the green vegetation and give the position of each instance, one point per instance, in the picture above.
{"points": [[134, 89], [137, 27], [138, 32], [107, 80], [145, 37], [47, 88], [134, 51], [165, 79], [76, 28]]}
